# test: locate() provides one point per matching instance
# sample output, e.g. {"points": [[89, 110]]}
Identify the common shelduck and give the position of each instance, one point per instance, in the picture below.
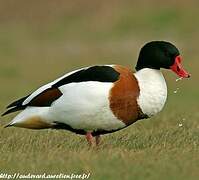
{"points": [[101, 99]]}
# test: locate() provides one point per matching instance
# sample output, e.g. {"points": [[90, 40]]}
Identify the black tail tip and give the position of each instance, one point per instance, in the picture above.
{"points": [[8, 125], [4, 114]]}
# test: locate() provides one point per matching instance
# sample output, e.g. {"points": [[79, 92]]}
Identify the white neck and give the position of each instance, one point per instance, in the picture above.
{"points": [[153, 90]]}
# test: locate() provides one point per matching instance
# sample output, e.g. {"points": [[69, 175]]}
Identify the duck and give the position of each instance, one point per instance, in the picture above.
{"points": [[101, 99]]}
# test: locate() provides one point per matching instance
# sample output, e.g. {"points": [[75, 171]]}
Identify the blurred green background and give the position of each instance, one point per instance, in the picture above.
{"points": [[42, 40]]}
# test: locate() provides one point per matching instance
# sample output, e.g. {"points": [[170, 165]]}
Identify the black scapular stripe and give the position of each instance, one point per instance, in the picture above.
{"points": [[94, 73]]}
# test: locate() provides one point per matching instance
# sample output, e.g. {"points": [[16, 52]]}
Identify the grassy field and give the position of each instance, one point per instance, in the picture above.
{"points": [[42, 40]]}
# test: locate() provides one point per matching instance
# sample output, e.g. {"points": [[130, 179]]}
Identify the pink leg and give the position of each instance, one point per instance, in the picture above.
{"points": [[97, 139], [89, 138]]}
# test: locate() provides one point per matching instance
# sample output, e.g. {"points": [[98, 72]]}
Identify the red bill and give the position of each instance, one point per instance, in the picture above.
{"points": [[178, 69]]}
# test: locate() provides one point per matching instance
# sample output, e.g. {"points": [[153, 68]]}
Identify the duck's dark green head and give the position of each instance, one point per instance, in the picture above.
{"points": [[161, 54]]}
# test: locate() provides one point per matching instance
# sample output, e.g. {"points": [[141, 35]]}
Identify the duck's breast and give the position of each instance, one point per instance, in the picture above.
{"points": [[153, 91]]}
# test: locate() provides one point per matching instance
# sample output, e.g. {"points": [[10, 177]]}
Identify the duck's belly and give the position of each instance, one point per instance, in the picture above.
{"points": [[85, 106]]}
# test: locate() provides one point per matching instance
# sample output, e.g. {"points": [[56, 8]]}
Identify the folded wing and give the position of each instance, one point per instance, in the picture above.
{"points": [[47, 94]]}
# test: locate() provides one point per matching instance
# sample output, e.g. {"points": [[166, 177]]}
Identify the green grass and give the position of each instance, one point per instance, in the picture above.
{"points": [[40, 41], [147, 150]]}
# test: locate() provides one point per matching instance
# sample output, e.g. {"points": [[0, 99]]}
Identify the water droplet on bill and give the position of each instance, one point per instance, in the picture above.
{"points": [[179, 79], [180, 125], [176, 91]]}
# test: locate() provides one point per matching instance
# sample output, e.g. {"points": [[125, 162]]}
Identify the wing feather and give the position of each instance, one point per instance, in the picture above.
{"points": [[47, 94], [17, 102]]}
